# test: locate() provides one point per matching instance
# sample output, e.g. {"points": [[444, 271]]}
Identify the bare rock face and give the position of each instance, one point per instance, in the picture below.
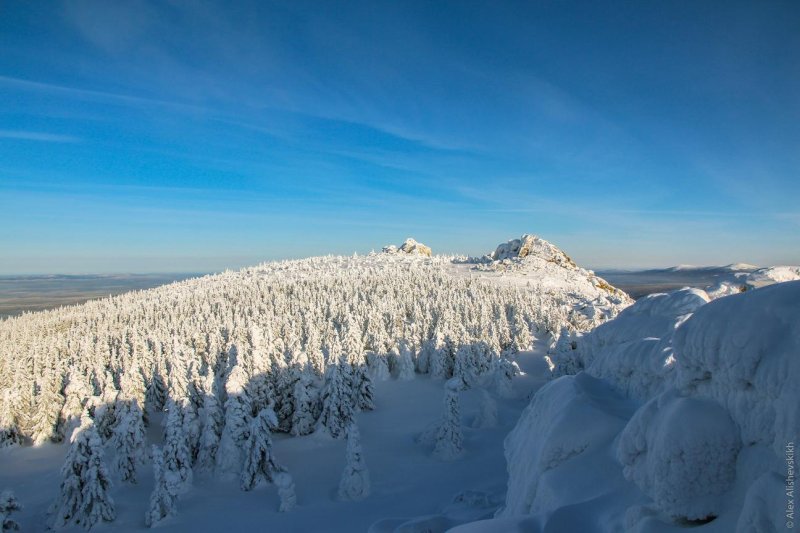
{"points": [[409, 246]]}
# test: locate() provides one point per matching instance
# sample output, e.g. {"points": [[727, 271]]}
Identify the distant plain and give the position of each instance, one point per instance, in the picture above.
{"points": [[23, 293]]}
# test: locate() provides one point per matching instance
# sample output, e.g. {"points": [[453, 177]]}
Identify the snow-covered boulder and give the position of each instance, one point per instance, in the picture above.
{"points": [[410, 247], [744, 352], [682, 453], [560, 438]]}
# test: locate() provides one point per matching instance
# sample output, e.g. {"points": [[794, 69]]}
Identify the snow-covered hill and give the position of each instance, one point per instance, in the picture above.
{"points": [[201, 367]]}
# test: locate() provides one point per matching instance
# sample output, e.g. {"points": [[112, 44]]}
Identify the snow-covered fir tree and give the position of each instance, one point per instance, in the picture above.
{"points": [[128, 439], [10, 433], [363, 392], [238, 409], [354, 484], [213, 421], [84, 497], [449, 443], [405, 362], [77, 393], [47, 423], [337, 400], [306, 398], [259, 463], [164, 498], [177, 456], [8, 506], [503, 372], [286, 491]]}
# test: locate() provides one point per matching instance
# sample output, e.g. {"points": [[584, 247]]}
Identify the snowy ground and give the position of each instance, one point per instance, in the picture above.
{"points": [[406, 481]]}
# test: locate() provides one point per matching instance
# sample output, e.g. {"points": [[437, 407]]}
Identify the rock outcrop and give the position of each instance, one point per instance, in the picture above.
{"points": [[409, 246], [532, 245]]}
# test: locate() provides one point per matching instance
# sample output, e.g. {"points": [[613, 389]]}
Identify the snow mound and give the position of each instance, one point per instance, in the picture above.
{"points": [[410, 247], [633, 352], [567, 425], [744, 352], [682, 413], [682, 453]]}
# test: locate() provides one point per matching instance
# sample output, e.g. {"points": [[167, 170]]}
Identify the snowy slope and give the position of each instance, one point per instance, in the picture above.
{"points": [[321, 344], [678, 414]]}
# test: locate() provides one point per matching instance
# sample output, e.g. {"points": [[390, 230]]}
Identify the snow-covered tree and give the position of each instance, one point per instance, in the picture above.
{"points": [[213, 422], [128, 439], [465, 367], [449, 437], [286, 491], [238, 408], [76, 393], [354, 484], [363, 393], [259, 463], [8, 506], [405, 362], [305, 399], [337, 400], [84, 497], [503, 372], [177, 457], [47, 424], [10, 434], [378, 367], [164, 498]]}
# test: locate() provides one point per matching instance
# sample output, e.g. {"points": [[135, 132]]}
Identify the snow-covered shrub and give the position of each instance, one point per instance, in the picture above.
{"points": [[8, 506], [682, 453]]}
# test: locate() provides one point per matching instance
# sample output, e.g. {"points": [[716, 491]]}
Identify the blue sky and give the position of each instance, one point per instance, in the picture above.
{"points": [[195, 136]]}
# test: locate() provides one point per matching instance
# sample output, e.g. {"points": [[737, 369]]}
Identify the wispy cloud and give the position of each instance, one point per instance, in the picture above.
{"points": [[38, 136], [93, 95]]}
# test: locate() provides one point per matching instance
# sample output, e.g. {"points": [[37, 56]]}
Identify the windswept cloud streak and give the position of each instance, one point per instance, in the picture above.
{"points": [[38, 136]]}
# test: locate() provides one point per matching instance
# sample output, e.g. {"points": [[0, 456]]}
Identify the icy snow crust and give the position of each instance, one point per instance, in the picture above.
{"points": [[310, 343], [676, 414]]}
